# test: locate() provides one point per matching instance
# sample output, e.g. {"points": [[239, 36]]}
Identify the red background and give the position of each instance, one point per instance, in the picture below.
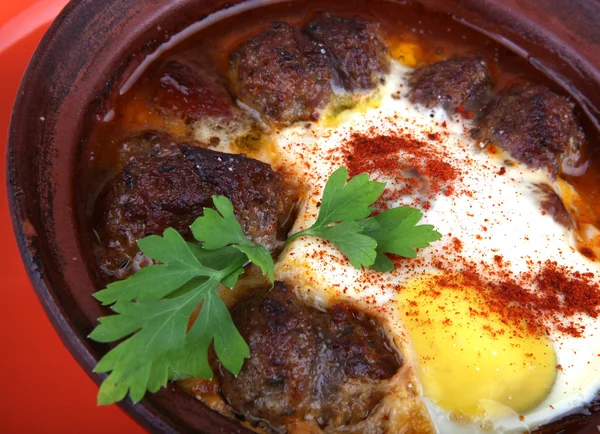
{"points": [[42, 388]]}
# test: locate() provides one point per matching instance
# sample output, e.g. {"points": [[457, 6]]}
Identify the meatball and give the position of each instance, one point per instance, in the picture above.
{"points": [[535, 125], [275, 383], [191, 92], [359, 343], [185, 98], [282, 74], [142, 146], [356, 46], [354, 356], [305, 364], [168, 185], [461, 81]]}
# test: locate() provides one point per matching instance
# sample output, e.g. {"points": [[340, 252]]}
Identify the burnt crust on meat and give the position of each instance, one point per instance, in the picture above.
{"points": [[327, 368], [167, 184], [275, 381], [461, 81], [282, 74], [356, 46], [533, 124]]}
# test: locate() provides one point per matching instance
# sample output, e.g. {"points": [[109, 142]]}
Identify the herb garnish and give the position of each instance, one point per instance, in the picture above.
{"points": [[155, 305], [342, 220]]}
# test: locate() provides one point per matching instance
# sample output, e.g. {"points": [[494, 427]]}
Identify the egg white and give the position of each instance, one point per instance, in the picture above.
{"points": [[491, 213]]}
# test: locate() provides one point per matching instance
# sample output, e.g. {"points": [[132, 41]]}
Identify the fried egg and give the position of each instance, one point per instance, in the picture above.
{"points": [[465, 365]]}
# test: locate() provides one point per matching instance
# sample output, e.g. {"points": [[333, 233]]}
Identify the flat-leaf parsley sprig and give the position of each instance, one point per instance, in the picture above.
{"points": [[154, 307], [342, 220]]}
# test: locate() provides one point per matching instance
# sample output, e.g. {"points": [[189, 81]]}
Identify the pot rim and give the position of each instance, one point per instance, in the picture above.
{"points": [[64, 328], [75, 10]]}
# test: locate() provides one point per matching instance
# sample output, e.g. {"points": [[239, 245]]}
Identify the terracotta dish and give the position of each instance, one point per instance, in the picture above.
{"points": [[93, 46]]}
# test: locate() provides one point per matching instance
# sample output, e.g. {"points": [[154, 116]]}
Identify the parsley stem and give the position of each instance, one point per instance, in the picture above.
{"points": [[294, 237], [241, 263], [304, 233]]}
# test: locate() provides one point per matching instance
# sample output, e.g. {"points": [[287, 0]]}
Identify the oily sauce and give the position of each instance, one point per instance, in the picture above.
{"points": [[414, 37]]}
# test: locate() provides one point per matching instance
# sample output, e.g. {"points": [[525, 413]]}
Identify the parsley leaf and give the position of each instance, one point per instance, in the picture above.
{"points": [[216, 230], [155, 282], [364, 241], [358, 248], [396, 231], [147, 355], [218, 259], [346, 202], [153, 310]]}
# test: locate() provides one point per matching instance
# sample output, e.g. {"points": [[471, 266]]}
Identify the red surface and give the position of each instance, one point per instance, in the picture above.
{"points": [[42, 388]]}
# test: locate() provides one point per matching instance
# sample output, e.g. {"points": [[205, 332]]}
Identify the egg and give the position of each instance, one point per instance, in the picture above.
{"points": [[472, 365], [467, 365]]}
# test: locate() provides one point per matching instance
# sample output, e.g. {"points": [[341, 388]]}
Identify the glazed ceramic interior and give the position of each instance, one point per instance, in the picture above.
{"points": [[94, 46]]}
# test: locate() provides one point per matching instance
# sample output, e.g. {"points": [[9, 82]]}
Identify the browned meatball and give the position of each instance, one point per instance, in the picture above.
{"points": [[461, 81], [354, 357], [359, 343], [282, 74], [191, 99], [169, 184], [305, 364], [275, 383], [358, 50], [192, 93], [143, 146], [535, 125]]}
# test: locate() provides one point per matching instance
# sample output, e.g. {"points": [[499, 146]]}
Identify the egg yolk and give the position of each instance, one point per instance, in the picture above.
{"points": [[469, 362]]}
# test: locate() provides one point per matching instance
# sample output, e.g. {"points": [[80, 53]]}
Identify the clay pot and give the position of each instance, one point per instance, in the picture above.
{"points": [[94, 44]]}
